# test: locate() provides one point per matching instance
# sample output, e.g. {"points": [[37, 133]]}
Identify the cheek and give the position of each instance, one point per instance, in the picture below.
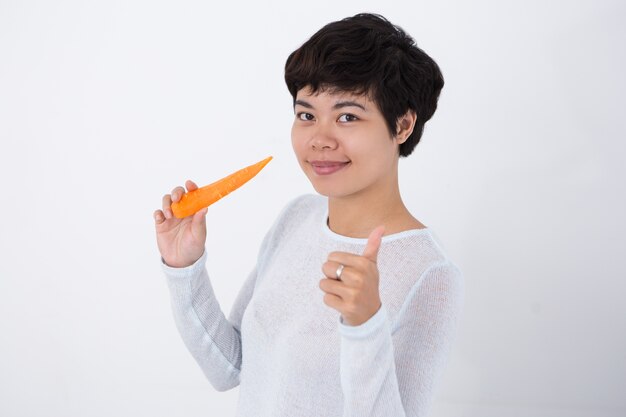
{"points": [[374, 147], [294, 138], [298, 143]]}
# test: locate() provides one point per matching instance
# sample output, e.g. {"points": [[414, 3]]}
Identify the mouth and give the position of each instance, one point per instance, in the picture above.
{"points": [[328, 167]]}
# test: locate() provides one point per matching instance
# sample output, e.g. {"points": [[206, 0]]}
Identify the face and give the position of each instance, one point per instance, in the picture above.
{"points": [[343, 145]]}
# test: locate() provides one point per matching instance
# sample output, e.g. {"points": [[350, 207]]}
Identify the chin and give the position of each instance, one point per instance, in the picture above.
{"points": [[328, 187], [321, 190], [329, 190]]}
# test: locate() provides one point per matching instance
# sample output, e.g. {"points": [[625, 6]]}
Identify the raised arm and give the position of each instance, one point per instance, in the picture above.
{"points": [[213, 341], [391, 369]]}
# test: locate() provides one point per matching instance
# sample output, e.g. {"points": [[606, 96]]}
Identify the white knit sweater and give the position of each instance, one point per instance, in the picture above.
{"points": [[292, 355]]}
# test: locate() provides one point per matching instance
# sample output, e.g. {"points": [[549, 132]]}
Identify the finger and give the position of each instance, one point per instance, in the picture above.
{"points": [[347, 259], [167, 209], [199, 217], [332, 286], [330, 268], [177, 193], [159, 217], [373, 243], [333, 301], [190, 185]]}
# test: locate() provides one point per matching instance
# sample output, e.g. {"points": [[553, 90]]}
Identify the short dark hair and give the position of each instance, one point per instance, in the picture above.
{"points": [[367, 54]]}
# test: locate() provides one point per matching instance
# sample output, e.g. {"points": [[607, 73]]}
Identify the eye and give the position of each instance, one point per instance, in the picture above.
{"points": [[348, 118], [307, 117]]}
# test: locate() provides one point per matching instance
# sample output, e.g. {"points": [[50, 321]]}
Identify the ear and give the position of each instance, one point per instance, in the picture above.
{"points": [[405, 126]]}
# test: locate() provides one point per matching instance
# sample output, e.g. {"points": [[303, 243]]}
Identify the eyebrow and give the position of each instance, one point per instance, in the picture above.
{"points": [[338, 105]]}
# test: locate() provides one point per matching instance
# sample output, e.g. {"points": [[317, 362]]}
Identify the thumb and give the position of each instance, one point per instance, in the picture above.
{"points": [[373, 243], [199, 217]]}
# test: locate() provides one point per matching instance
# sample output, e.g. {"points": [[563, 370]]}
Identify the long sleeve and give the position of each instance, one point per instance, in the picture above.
{"points": [[391, 369], [292, 356], [213, 341]]}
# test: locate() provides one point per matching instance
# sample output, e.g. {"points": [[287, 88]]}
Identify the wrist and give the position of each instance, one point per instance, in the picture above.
{"points": [[182, 264]]}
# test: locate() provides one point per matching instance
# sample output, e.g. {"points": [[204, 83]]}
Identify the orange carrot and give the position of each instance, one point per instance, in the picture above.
{"points": [[196, 200]]}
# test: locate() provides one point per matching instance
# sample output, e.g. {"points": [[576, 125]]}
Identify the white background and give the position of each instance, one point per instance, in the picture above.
{"points": [[106, 106]]}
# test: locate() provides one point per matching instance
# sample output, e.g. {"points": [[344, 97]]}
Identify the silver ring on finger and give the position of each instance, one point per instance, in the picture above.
{"points": [[339, 271]]}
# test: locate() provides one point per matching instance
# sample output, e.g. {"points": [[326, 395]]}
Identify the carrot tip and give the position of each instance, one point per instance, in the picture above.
{"points": [[196, 200]]}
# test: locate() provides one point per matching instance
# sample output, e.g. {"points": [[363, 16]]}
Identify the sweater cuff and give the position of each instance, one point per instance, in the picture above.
{"points": [[365, 329], [186, 272]]}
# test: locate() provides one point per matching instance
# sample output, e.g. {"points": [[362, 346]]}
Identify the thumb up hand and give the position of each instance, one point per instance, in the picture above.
{"points": [[351, 283]]}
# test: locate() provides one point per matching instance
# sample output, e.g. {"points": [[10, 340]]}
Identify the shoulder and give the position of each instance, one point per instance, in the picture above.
{"points": [[444, 278], [301, 207], [443, 270], [440, 287], [295, 213], [418, 269], [437, 296], [439, 273], [306, 203]]}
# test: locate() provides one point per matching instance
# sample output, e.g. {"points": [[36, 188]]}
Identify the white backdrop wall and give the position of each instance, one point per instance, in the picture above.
{"points": [[106, 106]]}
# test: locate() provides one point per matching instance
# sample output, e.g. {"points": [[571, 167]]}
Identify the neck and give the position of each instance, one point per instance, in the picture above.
{"points": [[357, 215]]}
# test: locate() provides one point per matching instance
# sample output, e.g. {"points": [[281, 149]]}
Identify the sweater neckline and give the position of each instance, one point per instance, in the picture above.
{"points": [[362, 241]]}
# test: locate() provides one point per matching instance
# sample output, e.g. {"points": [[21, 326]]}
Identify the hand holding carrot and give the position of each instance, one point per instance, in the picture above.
{"points": [[181, 224], [180, 241]]}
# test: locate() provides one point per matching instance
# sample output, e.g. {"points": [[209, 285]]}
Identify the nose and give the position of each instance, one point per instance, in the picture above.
{"points": [[323, 138]]}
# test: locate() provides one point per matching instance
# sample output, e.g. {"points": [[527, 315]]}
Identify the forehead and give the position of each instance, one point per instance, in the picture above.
{"points": [[333, 94]]}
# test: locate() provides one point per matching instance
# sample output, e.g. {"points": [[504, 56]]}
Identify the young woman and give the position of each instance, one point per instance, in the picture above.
{"points": [[352, 305]]}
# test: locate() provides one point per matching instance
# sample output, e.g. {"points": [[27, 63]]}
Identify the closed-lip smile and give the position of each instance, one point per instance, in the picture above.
{"points": [[327, 167]]}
